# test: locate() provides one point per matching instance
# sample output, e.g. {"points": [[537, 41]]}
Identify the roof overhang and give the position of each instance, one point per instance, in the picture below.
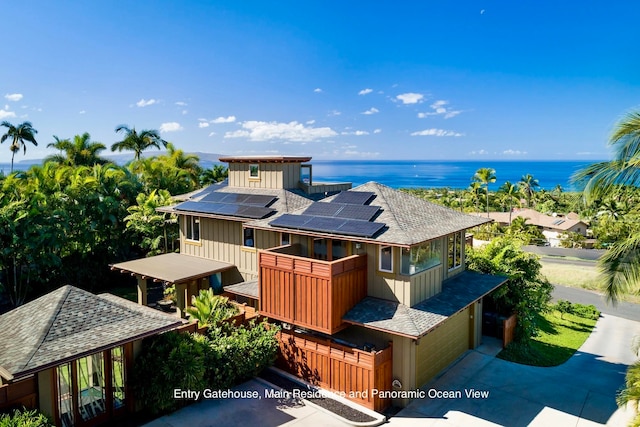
{"points": [[172, 267], [415, 322], [264, 159]]}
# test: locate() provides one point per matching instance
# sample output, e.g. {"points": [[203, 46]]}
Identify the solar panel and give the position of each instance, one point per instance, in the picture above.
{"points": [[238, 198], [259, 200], [353, 197], [242, 211], [214, 197], [323, 209], [331, 225], [361, 212]]}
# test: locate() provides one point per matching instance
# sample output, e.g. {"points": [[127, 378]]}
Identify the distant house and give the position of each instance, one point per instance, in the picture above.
{"points": [[368, 283], [553, 227], [70, 353]]}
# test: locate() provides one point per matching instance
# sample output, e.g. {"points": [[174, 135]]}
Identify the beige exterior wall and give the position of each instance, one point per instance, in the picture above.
{"points": [[270, 175], [46, 402], [443, 345]]}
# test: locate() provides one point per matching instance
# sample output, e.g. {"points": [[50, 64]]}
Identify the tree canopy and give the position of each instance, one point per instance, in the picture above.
{"points": [[18, 135]]}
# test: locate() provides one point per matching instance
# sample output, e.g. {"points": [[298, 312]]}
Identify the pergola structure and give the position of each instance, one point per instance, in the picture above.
{"points": [[184, 271]]}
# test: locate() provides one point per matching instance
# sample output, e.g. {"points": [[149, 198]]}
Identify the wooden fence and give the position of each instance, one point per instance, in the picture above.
{"points": [[508, 331], [351, 372], [19, 394]]}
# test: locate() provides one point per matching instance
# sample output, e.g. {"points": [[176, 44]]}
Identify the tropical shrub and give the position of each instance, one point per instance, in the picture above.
{"points": [[526, 293], [209, 309], [25, 418]]}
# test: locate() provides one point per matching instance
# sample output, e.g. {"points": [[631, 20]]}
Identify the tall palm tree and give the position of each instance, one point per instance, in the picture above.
{"points": [[19, 135], [510, 192], [485, 176], [620, 266], [528, 185], [81, 152], [216, 174], [137, 142]]}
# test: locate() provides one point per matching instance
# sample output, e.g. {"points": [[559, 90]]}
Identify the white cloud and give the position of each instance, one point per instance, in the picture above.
{"points": [[293, 131], [440, 108], [365, 91], [4, 114], [170, 127], [203, 125], [356, 133], [211, 133], [146, 102], [481, 152], [511, 152], [436, 132], [181, 104], [229, 119], [410, 98], [317, 90], [82, 112], [370, 111], [310, 122], [13, 96], [377, 131], [185, 112], [334, 113]]}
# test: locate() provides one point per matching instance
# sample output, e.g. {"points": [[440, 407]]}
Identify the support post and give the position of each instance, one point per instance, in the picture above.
{"points": [[142, 291]]}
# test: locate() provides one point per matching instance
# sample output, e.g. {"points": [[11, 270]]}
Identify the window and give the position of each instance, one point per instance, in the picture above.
{"points": [[285, 239], [385, 259], [248, 239], [339, 249], [305, 174], [454, 251], [422, 257], [193, 228], [254, 171], [320, 249], [118, 377]]}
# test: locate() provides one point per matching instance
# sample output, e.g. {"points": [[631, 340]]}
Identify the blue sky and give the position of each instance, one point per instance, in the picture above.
{"points": [[473, 80]]}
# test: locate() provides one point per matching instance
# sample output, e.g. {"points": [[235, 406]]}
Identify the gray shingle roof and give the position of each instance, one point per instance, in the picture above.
{"points": [[409, 220], [416, 321], [70, 322], [248, 289]]}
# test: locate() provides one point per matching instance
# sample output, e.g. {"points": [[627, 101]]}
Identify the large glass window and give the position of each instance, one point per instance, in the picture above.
{"points": [[454, 250], [339, 249], [385, 259], [193, 228], [320, 249], [421, 257], [65, 393], [117, 377], [91, 386]]}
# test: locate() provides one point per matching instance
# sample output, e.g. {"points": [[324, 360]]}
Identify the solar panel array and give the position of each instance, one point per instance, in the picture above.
{"points": [[252, 206], [334, 225], [353, 197], [342, 210]]}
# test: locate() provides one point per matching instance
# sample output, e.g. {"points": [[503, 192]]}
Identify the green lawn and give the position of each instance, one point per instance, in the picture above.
{"points": [[130, 293], [558, 341]]}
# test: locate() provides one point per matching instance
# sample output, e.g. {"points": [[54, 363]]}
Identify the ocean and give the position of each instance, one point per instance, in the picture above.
{"points": [[426, 173], [453, 174]]}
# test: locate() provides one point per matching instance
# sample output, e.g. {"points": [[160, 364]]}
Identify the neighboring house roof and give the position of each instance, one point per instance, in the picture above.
{"points": [[264, 159], [69, 323], [173, 267], [415, 322], [408, 219], [562, 223]]}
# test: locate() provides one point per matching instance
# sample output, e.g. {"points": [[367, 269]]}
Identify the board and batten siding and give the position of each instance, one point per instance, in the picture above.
{"points": [[270, 175], [436, 350], [221, 240]]}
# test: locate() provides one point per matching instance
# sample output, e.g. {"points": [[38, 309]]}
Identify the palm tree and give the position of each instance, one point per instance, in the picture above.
{"points": [[510, 192], [80, 152], [137, 142], [18, 134], [475, 189], [620, 266], [216, 174], [485, 176], [528, 186]]}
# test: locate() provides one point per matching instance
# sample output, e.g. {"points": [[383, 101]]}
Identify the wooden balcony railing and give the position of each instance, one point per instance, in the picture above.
{"points": [[310, 293]]}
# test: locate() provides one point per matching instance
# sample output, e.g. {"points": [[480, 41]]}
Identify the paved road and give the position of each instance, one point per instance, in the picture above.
{"points": [[565, 261], [580, 392], [590, 254], [626, 310]]}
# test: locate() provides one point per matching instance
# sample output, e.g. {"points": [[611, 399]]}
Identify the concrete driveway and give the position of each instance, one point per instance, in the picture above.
{"points": [[581, 392]]}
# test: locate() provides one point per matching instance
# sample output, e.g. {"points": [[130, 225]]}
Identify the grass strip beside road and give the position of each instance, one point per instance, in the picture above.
{"points": [[558, 341]]}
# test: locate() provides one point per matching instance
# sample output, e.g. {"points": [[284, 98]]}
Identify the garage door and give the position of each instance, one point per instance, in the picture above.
{"points": [[442, 346]]}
